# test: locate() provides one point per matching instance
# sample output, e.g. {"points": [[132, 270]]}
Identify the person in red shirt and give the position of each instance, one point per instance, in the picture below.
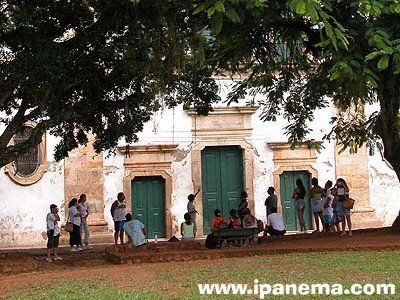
{"points": [[217, 220], [234, 220]]}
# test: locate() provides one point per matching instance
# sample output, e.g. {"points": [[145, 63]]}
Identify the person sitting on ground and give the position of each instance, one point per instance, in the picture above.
{"points": [[396, 224], [217, 220], [275, 225], [249, 221], [187, 229], [234, 220], [53, 233], [135, 230]]}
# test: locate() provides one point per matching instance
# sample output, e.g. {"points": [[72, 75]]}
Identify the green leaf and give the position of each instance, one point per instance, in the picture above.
{"points": [[216, 24], [232, 15], [372, 55], [200, 8], [383, 62], [219, 6], [301, 7], [211, 11]]}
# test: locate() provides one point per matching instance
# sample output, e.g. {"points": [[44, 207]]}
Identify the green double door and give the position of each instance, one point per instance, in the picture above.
{"points": [[289, 212], [222, 181], [148, 204]]}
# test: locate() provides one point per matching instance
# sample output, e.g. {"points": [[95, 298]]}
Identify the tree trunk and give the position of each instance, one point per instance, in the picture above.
{"points": [[387, 126]]}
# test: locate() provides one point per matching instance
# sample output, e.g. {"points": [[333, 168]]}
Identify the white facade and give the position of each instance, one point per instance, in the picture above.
{"points": [[24, 208]]}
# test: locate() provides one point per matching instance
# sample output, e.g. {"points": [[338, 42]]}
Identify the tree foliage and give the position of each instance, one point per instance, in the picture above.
{"points": [[103, 67], [299, 52]]}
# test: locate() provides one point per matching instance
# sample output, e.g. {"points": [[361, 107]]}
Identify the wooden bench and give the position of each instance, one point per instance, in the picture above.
{"points": [[232, 235]]}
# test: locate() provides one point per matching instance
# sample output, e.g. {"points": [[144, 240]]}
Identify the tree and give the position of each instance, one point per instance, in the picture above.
{"points": [[104, 67], [299, 52]]}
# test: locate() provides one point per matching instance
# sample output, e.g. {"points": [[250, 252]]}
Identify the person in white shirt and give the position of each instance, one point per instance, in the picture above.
{"points": [[327, 206], [135, 230], [275, 225], [118, 212], [191, 209], [53, 233], [75, 219], [84, 209]]}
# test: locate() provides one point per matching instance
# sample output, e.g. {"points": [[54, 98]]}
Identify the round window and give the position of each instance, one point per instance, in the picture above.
{"points": [[28, 163]]}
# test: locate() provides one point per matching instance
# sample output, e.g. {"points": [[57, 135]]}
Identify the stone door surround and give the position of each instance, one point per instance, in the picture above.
{"points": [[150, 160]]}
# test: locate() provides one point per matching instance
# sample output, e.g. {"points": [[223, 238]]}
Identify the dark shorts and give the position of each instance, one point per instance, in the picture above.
{"points": [[119, 226], [52, 241]]}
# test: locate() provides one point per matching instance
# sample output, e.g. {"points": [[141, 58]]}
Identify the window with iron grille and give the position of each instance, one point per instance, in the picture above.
{"points": [[28, 163]]}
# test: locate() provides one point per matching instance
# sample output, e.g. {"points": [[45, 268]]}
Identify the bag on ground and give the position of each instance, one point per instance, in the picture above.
{"points": [[211, 241]]}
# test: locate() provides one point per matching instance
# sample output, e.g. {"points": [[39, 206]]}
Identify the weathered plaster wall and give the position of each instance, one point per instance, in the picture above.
{"points": [[113, 183], [22, 217], [384, 189], [24, 208]]}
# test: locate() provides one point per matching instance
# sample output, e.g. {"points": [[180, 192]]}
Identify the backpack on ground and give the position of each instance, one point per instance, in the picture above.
{"points": [[211, 241]]}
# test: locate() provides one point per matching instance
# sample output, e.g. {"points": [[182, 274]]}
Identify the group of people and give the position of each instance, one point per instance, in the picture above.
{"points": [[328, 205], [238, 218], [124, 223], [78, 212]]}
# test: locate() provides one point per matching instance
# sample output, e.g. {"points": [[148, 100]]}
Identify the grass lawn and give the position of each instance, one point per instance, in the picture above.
{"points": [[168, 282]]}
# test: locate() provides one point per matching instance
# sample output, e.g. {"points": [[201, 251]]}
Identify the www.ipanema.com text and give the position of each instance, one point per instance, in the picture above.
{"points": [[264, 289]]}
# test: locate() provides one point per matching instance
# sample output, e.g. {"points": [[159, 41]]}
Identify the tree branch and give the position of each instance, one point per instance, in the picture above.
{"points": [[12, 152]]}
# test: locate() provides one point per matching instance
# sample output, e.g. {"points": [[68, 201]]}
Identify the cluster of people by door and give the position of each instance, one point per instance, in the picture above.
{"points": [[331, 205]]}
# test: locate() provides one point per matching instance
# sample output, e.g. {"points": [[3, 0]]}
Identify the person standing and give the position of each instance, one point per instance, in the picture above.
{"points": [[84, 209], [341, 192], [317, 193], [191, 209], [75, 219], [271, 201], [118, 212], [327, 206], [53, 233], [299, 194], [243, 204]]}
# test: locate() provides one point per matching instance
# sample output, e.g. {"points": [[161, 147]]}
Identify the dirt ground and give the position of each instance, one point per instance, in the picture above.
{"points": [[21, 268]]}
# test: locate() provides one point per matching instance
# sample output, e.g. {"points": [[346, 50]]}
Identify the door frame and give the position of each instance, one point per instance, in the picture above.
{"points": [[248, 173], [161, 179], [286, 158], [221, 150], [299, 168], [307, 199], [168, 191]]}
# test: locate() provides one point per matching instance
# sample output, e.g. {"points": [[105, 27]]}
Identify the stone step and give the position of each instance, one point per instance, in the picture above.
{"points": [[95, 239], [364, 224]]}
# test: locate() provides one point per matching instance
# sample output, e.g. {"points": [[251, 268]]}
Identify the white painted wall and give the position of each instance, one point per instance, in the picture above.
{"points": [[23, 212], [24, 208]]}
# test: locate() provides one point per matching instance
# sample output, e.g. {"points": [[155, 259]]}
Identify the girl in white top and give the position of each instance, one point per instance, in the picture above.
{"points": [[83, 208], [118, 212], [187, 229], [75, 219], [327, 206]]}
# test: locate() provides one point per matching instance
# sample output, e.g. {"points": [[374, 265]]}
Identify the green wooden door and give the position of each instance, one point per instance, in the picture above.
{"points": [[289, 213], [222, 181], [148, 204]]}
